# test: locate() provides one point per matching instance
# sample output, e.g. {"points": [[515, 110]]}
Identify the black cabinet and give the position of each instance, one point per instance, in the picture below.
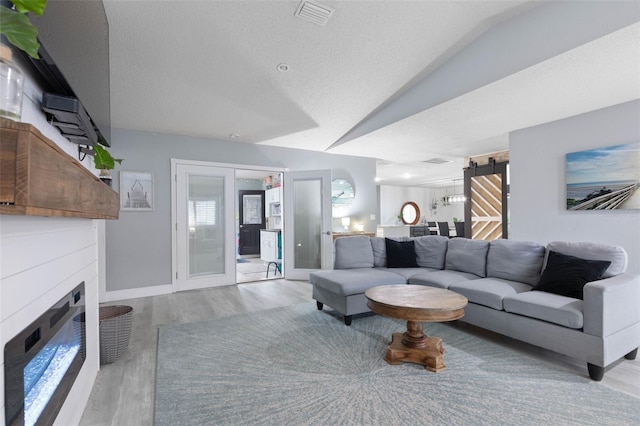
{"points": [[418, 231]]}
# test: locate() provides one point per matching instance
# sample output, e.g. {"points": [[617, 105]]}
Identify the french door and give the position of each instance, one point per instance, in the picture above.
{"points": [[204, 229], [308, 242]]}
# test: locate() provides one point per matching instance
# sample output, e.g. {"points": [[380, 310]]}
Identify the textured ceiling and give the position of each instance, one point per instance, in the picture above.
{"points": [[563, 86], [209, 69]]}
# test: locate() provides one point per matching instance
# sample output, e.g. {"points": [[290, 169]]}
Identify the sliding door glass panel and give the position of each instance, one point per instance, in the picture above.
{"points": [[206, 223], [307, 210]]}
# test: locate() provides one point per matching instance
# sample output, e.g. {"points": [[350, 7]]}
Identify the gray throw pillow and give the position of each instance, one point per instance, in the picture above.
{"points": [[519, 261], [379, 252], [353, 252], [467, 255], [431, 251]]}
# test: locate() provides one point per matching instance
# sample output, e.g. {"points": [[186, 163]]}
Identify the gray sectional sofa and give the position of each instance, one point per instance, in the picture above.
{"points": [[498, 279]]}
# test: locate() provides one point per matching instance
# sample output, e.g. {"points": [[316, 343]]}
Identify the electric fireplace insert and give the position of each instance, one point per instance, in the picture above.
{"points": [[43, 361]]}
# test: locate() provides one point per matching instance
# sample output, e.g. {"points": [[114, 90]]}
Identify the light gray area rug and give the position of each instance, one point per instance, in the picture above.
{"points": [[300, 366]]}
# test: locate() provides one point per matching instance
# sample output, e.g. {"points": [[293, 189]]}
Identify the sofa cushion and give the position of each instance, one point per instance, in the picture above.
{"points": [[353, 252], [489, 291], [592, 251], [400, 254], [431, 251], [407, 272], [353, 281], [379, 251], [566, 275], [467, 255], [515, 260], [441, 278], [561, 310]]}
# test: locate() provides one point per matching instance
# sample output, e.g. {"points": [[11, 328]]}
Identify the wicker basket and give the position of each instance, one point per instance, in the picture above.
{"points": [[115, 330]]}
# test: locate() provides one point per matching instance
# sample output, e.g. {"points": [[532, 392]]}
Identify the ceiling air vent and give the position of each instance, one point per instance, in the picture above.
{"points": [[437, 161], [315, 12]]}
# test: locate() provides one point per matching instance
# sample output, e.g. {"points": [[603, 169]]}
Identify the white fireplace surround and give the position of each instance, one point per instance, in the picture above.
{"points": [[41, 260]]}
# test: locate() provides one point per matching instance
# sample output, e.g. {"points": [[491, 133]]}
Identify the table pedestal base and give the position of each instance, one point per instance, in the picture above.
{"points": [[414, 346]]}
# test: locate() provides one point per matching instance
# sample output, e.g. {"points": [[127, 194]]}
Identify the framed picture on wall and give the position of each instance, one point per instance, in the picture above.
{"points": [[605, 178], [136, 191]]}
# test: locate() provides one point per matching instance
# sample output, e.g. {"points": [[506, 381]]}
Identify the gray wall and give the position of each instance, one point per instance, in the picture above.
{"points": [[138, 252], [537, 159]]}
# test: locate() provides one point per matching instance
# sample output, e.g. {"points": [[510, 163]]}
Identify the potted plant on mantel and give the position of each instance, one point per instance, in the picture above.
{"points": [[15, 24], [18, 30], [105, 163]]}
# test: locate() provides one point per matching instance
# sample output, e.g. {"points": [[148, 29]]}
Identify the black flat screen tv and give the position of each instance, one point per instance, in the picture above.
{"points": [[74, 57]]}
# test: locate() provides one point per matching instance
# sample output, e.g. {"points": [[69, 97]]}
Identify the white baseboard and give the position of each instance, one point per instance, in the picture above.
{"points": [[134, 293]]}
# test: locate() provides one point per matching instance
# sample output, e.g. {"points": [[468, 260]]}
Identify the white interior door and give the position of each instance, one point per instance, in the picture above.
{"points": [[308, 242], [204, 230]]}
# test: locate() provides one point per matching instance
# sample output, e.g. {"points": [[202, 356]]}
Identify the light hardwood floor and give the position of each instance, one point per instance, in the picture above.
{"points": [[255, 269], [123, 393]]}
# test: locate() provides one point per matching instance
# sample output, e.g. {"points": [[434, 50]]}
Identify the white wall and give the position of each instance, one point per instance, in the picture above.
{"points": [[447, 213], [393, 197], [537, 160], [41, 260]]}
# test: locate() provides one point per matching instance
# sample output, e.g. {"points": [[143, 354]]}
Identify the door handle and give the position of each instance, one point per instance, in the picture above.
{"points": [[328, 232]]}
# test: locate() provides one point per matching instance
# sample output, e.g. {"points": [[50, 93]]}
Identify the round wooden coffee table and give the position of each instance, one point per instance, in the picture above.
{"points": [[416, 304]]}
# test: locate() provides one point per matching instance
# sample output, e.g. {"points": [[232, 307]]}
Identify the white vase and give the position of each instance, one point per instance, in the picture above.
{"points": [[105, 176]]}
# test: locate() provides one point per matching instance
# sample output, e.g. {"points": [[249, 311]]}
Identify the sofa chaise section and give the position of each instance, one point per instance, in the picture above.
{"points": [[343, 287]]}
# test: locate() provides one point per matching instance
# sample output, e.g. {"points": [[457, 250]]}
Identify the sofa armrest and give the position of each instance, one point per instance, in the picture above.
{"points": [[611, 304]]}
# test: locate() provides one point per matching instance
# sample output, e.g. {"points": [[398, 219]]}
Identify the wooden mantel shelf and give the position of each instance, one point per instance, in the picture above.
{"points": [[38, 178]]}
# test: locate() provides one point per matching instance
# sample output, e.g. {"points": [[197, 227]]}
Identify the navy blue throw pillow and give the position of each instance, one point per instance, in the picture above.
{"points": [[566, 275], [400, 254]]}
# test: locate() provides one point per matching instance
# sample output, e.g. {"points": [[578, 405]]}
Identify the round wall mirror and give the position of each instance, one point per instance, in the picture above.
{"points": [[342, 192], [410, 213]]}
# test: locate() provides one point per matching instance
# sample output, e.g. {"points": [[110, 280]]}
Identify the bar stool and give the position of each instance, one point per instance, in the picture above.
{"points": [[278, 266]]}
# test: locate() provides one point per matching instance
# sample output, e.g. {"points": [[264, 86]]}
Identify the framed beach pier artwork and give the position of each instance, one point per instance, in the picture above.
{"points": [[604, 178], [136, 191]]}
